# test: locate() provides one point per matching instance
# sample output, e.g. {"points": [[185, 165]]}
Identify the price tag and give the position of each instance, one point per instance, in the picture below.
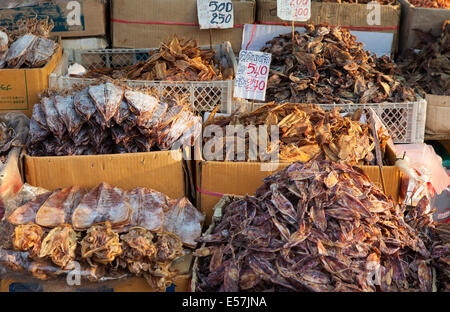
{"points": [[251, 76], [294, 10], [215, 14]]}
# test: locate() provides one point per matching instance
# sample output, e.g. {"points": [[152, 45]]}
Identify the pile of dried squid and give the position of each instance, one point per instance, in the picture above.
{"points": [[110, 232], [175, 60], [107, 118], [306, 132], [327, 65], [322, 226], [429, 69], [28, 45]]}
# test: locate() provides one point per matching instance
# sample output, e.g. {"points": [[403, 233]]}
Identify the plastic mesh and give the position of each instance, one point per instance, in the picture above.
{"points": [[202, 95]]}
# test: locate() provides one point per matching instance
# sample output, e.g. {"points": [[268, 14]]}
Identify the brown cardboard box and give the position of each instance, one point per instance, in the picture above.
{"points": [[217, 178], [145, 24], [425, 19], [438, 116], [349, 15], [19, 88], [239, 178], [91, 14], [163, 171]]}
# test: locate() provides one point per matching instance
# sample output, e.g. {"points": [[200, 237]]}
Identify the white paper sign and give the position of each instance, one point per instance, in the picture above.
{"points": [[294, 10], [215, 14], [251, 76]]}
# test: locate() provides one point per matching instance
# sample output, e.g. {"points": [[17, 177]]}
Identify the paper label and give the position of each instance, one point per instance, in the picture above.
{"points": [[294, 10], [215, 14], [251, 76]]}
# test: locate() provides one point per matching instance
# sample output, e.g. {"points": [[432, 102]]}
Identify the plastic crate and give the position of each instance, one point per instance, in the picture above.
{"points": [[202, 95], [404, 121]]}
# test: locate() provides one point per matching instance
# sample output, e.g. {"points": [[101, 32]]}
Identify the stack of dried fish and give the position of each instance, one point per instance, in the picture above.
{"points": [[173, 61], [329, 66], [47, 230], [322, 226], [437, 4], [429, 69], [306, 132], [107, 118], [28, 45]]}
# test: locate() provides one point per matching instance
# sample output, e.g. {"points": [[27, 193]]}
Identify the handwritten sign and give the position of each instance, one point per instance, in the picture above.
{"points": [[215, 14], [251, 76], [294, 10]]}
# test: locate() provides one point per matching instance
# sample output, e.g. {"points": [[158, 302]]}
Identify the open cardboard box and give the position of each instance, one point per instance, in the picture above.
{"points": [[20, 88], [217, 178], [164, 171]]}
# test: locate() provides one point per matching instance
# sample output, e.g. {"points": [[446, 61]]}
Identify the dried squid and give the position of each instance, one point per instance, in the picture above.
{"points": [[321, 226], [28, 237], [329, 66], [101, 244], [59, 245]]}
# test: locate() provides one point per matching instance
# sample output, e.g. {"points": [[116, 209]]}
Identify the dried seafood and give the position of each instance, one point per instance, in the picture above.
{"points": [[151, 255], [28, 46], [429, 69], [173, 61], [143, 216], [59, 245], [101, 244], [140, 207], [437, 4], [321, 226], [329, 66], [383, 2], [108, 118], [28, 237], [306, 132]]}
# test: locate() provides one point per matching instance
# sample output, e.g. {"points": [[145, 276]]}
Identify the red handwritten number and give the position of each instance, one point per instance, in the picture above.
{"points": [[263, 70]]}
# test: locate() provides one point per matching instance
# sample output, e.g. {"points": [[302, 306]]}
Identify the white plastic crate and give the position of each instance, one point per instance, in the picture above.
{"points": [[202, 95], [404, 121]]}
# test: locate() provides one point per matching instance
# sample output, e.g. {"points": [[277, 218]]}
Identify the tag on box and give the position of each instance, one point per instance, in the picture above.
{"points": [[215, 14], [251, 76], [294, 10]]}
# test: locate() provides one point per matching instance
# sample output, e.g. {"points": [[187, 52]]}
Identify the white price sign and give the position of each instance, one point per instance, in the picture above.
{"points": [[294, 10], [251, 77], [215, 14]]}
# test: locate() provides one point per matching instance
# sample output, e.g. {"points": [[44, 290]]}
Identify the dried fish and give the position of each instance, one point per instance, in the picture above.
{"points": [[329, 66], [438, 4], [108, 118], [289, 238], [429, 69], [173, 61], [306, 132], [27, 46]]}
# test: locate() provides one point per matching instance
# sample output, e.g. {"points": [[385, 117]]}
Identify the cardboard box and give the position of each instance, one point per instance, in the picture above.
{"points": [[163, 171], [19, 88], [80, 18], [129, 284], [145, 24], [438, 115], [215, 178], [425, 19], [347, 15]]}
